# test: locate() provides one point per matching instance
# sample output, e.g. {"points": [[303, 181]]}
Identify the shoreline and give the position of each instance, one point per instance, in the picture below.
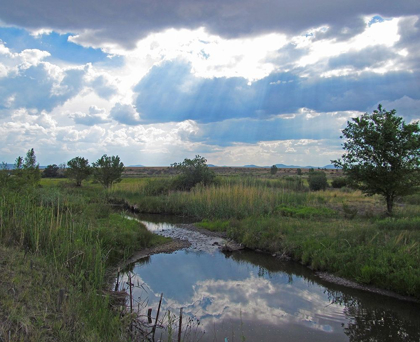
{"points": [[178, 244]]}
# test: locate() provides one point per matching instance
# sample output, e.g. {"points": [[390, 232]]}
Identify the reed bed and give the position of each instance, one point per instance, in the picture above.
{"points": [[79, 238]]}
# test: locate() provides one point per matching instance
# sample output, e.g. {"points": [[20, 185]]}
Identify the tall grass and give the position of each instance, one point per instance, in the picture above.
{"points": [[357, 250], [76, 232], [230, 197]]}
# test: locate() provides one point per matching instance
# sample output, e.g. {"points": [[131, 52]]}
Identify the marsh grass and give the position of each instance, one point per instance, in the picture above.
{"points": [[387, 258], [75, 234], [336, 230]]}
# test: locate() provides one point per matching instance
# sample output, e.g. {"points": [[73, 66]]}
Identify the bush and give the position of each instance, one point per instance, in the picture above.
{"points": [[273, 170], [317, 180], [192, 172], [339, 182]]}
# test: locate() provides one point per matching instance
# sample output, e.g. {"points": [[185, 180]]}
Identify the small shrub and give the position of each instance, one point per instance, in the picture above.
{"points": [[317, 180], [273, 170], [339, 182], [304, 212], [349, 213]]}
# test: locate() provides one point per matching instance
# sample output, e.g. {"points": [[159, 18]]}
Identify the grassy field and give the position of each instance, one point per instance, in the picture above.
{"points": [[337, 230]]}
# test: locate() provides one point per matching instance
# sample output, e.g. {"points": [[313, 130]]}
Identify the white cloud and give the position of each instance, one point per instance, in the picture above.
{"points": [[382, 33]]}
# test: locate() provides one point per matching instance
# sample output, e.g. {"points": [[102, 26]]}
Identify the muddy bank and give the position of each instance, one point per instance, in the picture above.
{"points": [[352, 284], [323, 275], [170, 247]]}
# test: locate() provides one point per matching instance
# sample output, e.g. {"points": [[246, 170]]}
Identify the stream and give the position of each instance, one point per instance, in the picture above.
{"points": [[250, 296]]}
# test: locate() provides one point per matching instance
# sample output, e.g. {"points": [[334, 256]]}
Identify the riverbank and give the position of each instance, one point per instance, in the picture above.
{"points": [[338, 231], [233, 246], [57, 246]]}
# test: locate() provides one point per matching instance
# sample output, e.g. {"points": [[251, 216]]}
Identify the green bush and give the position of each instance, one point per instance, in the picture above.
{"points": [[192, 172], [317, 180], [305, 212], [339, 182]]}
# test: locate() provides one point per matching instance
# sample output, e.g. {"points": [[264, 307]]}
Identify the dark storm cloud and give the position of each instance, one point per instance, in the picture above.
{"points": [[126, 21], [171, 93], [367, 58]]}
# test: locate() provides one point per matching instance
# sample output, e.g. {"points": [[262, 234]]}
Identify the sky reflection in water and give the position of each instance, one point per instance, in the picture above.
{"points": [[253, 295]]}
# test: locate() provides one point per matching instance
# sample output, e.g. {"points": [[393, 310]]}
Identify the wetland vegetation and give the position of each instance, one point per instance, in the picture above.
{"points": [[59, 241]]}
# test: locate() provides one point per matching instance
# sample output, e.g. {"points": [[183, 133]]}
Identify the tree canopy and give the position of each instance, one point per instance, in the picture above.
{"points": [[78, 169], [273, 170], [382, 155], [108, 170], [51, 171], [192, 172], [27, 169]]}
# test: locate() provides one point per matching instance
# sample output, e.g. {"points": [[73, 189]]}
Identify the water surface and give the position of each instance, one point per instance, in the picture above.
{"points": [[252, 296]]}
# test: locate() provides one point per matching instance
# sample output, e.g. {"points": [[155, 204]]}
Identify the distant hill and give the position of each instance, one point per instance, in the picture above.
{"points": [[254, 166], [135, 165], [283, 166], [12, 167]]}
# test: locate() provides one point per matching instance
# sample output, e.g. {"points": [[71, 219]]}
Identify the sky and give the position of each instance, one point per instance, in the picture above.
{"points": [[239, 82]]}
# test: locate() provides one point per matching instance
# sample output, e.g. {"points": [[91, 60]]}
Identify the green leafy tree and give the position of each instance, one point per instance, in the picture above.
{"points": [[28, 169], [78, 169], [108, 170], [273, 170], [51, 171], [192, 172], [299, 172], [62, 168], [317, 180], [382, 155]]}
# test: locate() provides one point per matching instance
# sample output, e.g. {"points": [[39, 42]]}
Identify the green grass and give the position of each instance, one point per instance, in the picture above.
{"points": [[355, 250], [72, 234], [337, 230]]}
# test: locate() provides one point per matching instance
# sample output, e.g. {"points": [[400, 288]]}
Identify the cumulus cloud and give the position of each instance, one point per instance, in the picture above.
{"points": [[206, 77], [170, 92], [125, 114], [406, 107], [31, 83], [103, 87], [95, 116]]}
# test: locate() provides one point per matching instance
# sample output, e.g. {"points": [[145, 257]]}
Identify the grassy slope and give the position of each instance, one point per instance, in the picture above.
{"points": [[57, 238]]}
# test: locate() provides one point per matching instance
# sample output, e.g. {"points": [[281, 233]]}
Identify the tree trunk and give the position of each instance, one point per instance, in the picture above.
{"points": [[389, 204]]}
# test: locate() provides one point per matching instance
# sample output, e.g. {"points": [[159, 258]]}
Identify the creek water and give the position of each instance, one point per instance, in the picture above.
{"points": [[249, 296]]}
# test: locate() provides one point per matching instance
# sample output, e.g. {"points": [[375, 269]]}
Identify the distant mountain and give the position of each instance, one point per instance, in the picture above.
{"points": [[255, 166], [136, 165], [283, 166], [12, 166]]}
